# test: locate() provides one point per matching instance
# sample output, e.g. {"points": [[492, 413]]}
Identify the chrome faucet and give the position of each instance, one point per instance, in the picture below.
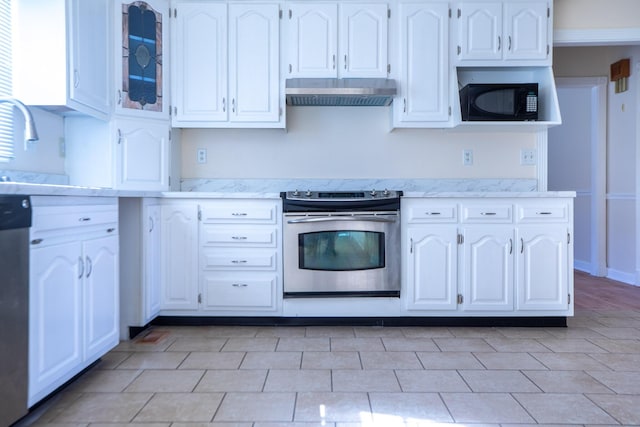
{"points": [[30, 132]]}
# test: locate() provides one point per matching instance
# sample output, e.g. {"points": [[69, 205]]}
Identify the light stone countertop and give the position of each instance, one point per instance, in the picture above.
{"points": [[71, 190], [487, 194]]}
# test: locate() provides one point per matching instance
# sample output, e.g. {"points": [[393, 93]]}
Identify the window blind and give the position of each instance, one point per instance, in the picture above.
{"points": [[6, 110]]}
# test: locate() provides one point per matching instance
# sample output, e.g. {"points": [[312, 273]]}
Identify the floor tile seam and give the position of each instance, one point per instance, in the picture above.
{"points": [[587, 396], [515, 398], [601, 383]]}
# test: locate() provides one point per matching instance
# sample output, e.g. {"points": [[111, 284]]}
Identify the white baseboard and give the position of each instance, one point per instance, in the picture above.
{"points": [[583, 266], [622, 276]]}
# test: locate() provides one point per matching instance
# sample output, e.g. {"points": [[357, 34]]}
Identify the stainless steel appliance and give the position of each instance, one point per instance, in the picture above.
{"points": [[15, 220], [341, 243], [362, 92]]}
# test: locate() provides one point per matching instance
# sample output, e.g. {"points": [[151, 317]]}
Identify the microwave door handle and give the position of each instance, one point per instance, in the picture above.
{"points": [[340, 218]]}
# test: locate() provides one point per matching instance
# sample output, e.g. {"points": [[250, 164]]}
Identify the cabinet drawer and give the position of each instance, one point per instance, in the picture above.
{"points": [[486, 213], [432, 213], [550, 212], [62, 219], [239, 292], [214, 259], [217, 236], [241, 212]]}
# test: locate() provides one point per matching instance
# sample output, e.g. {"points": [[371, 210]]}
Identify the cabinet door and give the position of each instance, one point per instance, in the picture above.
{"points": [[179, 280], [55, 317], [542, 269], [432, 268], [89, 47], [487, 280], [141, 57], [200, 63], [363, 40], [101, 297], [526, 30], [313, 44], [152, 241], [254, 55], [142, 157], [424, 44], [480, 31]]}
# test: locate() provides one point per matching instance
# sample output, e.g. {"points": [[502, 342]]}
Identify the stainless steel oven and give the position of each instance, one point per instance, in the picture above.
{"points": [[340, 244]]}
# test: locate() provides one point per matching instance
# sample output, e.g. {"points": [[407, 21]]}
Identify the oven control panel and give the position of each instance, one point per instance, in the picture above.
{"points": [[341, 195]]}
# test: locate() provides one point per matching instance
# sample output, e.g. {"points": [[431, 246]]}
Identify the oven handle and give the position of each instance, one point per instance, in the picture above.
{"points": [[340, 218]]}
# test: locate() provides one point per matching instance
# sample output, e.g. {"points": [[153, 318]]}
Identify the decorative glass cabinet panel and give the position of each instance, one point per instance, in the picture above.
{"points": [[142, 58]]}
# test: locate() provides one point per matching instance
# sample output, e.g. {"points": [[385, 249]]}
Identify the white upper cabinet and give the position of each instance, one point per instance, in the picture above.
{"points": [[506, 33], [124, 153], [338, 40], [313, 39], [199, 76], [141, 61], [61, 55], [254, 63], [423, 98], [227, 65]]}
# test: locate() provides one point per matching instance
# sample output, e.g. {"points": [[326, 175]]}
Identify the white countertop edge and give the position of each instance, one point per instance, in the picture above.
{"points": [[70, 190], [217, 195], [487, 194]]}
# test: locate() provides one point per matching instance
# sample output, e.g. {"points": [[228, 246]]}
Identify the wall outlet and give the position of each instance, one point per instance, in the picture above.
{"points": [[202, 155], [528, 156], [467, 157]]}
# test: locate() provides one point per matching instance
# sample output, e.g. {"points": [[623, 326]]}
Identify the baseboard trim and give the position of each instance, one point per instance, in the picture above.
{"points": [[534, 322]]}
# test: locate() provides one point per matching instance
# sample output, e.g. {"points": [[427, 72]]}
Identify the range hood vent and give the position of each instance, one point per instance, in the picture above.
{"points": [[365, 92]]}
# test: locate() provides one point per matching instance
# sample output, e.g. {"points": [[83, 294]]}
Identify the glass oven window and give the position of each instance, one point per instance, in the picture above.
{"points": [[342, 250]]}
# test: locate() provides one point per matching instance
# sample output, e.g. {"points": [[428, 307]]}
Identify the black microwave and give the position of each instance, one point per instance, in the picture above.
{"points": [[499, 101]]}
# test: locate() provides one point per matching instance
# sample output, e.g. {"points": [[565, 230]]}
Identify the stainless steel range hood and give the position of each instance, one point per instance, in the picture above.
{"points": [[363, 92]]}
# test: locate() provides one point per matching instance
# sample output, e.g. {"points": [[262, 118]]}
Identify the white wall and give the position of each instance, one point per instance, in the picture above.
{"points": [[352, 142], [596, 14], [44, 155], [623, 142]]}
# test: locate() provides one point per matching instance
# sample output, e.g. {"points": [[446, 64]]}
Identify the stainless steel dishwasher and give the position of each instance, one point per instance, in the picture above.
{"points": [[15, 220]]}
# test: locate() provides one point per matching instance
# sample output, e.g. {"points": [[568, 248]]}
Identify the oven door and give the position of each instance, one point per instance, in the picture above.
{"points": [[341, 254]]}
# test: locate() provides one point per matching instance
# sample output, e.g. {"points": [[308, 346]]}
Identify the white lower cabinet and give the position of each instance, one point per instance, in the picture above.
{"points": [[506, 257], [432, 268], [544, 270], [74, 299], [221, 257], [487, 279], [140, 263], [179, 255]]}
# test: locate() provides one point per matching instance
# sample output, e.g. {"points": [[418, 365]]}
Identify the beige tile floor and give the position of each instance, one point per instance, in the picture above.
{"points": [[224, 376]]}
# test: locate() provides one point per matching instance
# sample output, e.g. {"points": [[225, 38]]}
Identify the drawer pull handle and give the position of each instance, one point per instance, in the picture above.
{"points": [[239, 285], [543, 213], [239, 237], [84, 219], [433, 213], [488, 213], [36, 241], [239, 214], [239, 261]]}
